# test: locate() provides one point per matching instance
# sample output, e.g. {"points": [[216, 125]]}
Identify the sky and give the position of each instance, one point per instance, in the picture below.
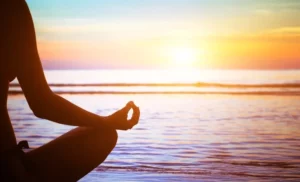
{"points": [[159, 34]]}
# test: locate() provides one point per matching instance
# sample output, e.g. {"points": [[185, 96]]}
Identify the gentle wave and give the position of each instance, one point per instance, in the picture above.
{"points": [[170, 88], [175, 92], [198, 84], [164, 170]]}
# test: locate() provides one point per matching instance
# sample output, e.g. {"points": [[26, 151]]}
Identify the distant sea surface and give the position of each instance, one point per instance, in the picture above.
{"points": [[172, 82], [195, 125]]}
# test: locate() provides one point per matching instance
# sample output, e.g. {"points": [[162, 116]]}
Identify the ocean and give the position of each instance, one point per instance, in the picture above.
{"points": [[195, 125]]}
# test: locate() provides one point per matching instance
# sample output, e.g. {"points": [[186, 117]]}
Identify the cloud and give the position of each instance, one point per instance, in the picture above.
{"points": [[263, 12], [280, 5], [290, 31]]}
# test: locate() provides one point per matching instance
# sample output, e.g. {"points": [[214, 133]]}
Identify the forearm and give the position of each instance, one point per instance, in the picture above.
{"points": [[60, 110]]}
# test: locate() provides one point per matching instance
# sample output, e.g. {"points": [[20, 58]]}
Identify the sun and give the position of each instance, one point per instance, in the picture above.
{"points": [[182, 56]]}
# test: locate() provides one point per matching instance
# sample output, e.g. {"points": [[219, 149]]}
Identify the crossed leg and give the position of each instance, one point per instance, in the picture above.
{"points": [[72, 155]]}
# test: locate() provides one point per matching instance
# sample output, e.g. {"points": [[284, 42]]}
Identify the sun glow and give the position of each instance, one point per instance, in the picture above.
{"points": [[182, 56]]}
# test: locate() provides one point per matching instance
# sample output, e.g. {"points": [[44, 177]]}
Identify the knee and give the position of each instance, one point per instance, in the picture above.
{"points": [[108, 137], [111, 138]]}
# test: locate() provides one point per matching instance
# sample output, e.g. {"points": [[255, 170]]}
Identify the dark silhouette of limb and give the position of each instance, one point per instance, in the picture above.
{"points": [[43, 102], [72, 155]]}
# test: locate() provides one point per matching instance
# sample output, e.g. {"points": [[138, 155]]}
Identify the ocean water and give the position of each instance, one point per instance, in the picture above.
{"points": [[194, 125]]}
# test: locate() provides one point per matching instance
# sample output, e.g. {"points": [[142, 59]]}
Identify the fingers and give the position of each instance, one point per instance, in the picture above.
{"points": [[127, 107], [130, 103], [135, 116], [134, 119]]}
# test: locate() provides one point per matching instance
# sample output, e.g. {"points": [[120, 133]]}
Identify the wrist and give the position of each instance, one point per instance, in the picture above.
{"points": [[103, 121]]}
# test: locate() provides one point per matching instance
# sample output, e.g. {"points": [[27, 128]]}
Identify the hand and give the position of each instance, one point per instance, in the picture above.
{"points": [[118, 120]]}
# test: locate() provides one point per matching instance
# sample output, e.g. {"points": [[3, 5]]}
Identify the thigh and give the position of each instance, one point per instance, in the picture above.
{"points": [[72, 155]]}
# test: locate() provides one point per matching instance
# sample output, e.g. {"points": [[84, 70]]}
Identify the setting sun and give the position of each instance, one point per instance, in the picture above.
{"points": [[182, 56]]}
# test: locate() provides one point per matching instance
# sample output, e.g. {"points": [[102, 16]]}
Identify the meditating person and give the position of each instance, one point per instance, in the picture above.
{"points": [[70, 156]]}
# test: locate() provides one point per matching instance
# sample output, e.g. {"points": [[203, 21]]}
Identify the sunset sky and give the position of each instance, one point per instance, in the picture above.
{"points": [[142, 34]]}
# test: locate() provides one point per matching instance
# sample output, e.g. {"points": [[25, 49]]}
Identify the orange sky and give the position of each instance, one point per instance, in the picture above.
{"points": [[215, 34]]}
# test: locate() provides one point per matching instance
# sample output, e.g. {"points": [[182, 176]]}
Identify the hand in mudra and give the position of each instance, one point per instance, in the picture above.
{"points": [[118, 120]]}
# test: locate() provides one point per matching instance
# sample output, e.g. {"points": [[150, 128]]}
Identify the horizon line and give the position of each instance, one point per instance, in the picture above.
{"points": [[173, 69]]}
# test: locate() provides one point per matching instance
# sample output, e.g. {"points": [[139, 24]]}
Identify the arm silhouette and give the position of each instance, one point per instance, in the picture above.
{"points": [[46, 104]]}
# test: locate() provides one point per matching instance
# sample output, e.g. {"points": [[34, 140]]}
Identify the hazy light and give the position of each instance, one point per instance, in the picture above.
{"points": [[182, 56]]}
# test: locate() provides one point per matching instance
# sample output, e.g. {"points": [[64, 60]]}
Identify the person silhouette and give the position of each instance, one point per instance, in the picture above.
{"points": [[70, 156]]}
